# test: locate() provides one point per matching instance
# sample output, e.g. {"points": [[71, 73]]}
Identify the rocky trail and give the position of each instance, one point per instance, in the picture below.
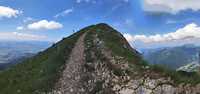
{"points": [[71, 75]]}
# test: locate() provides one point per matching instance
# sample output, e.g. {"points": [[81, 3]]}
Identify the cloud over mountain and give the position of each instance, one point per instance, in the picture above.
{"points": [[189, 32], [44, 25], [170, 6]]}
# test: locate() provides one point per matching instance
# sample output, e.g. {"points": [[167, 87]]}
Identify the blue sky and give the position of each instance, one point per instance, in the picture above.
{"points": [[145, 23]]}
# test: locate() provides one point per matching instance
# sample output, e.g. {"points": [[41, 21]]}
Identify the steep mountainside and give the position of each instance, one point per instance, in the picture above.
{"points": [[173, 57], [95, 60]]}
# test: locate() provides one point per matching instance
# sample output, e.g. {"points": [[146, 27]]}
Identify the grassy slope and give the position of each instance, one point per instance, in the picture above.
{"points": [[38, 74], [117, 43]]}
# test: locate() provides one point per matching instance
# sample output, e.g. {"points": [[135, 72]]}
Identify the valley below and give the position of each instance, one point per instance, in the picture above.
{"points": [[13, 52]]}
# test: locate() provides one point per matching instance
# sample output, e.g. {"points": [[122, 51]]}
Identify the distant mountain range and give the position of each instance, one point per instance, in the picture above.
{"points": [[174, 57], [12, 52]]}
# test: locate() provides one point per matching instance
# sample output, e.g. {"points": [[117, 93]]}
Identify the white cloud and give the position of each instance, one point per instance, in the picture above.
{"points": [[189, 32], [8, 12], [44, 25], [129, 37], [171, 6], [64, 13], [20, 28], [20, 36]]}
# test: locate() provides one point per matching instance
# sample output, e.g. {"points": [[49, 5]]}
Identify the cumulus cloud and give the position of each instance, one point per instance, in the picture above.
{"points": [[44, 25], [189, 32], [64, 13], [170, 6], [20, 36], [8, 12]]}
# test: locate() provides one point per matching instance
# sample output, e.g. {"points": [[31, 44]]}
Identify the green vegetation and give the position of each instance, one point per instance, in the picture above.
{"points": [[117, 43], [39, 73]]}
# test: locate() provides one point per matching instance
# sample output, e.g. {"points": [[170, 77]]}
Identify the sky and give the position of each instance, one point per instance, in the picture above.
{"points": [[144, 23]]}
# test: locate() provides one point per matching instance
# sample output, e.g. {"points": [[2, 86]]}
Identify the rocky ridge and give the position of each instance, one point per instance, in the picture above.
{"points": [[94, 68]]}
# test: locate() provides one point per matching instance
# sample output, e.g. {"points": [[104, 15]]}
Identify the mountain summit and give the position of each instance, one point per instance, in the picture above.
{"points": [[95, 60]]}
